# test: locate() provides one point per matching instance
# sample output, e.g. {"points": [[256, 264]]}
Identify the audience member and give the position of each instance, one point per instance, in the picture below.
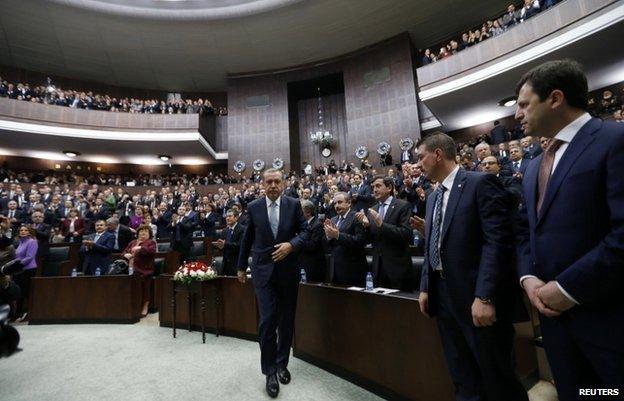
{"points": [[140, 253]]}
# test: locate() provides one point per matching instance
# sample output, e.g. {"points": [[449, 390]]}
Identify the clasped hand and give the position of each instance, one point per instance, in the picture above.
{"points": [[331, 231], [546, 297]]}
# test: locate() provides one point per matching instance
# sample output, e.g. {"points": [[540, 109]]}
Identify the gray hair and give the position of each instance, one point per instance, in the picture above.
{"points": [[308, 206], [345, 194], [113, 220]]}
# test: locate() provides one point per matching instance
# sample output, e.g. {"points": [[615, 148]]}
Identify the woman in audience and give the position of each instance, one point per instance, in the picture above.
{"points": [[140, 254], [147, 220], [26, 253], [137, 219], [73, 227]]}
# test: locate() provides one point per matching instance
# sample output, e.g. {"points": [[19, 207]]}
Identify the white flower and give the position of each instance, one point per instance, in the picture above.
{"points": [[193, 273], [185, 270], [201, 273]]}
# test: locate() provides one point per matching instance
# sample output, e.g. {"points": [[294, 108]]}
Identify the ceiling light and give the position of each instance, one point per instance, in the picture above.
{"points": [[164, 158], [508, 101], [71, 153]]}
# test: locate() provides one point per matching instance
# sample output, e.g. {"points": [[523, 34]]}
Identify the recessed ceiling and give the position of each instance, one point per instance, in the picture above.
{"points": [[196, 54]]}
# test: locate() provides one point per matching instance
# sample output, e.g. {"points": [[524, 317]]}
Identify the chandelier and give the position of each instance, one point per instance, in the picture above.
{"points": [[321, 137]]}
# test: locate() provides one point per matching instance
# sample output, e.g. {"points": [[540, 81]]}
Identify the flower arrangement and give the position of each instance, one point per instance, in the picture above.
{"points": [[194, 271]]}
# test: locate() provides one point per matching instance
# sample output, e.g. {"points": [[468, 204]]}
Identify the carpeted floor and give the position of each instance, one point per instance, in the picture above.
{"points": [[143, 362]]}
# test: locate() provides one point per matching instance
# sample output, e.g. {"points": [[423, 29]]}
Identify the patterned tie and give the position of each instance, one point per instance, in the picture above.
{"points": [[434, 249], [382, 210], [545, 170], [273, 218], [339, 223]]}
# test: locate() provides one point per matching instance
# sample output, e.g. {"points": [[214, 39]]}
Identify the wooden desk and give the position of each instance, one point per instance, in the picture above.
{"points": [[85, 299]]}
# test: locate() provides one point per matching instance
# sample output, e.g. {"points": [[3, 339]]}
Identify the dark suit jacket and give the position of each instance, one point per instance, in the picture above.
{"points": [[43, 238], [521, 168], [312, 255], [209, 224], [183, 230], [364, 197], [477, 247], [391, 242], [258, 235], [232, 249], [578, 239], [99, 254], [162, 225], [125, 236], [498, 135], [348, 259]]}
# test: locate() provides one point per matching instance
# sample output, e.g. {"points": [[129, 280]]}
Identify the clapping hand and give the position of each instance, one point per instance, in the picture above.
{"points": [[331, 231], [421, 193], [362, 219], [418, 224], [376, 217], [220, 243]]}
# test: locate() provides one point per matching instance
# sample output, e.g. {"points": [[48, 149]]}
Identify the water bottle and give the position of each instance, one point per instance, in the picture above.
{"points": [[417, 239], [130, 271], [369, 281], [98, 272], [74, 272], [303, 276]]}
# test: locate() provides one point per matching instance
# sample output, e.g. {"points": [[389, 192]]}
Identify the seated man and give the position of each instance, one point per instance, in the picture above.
{"points": [[96, 249]]}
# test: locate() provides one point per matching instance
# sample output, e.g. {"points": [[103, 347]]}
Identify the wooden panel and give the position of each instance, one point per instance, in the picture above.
{"points": [[84, 299], [239, 308], [381, 342]]}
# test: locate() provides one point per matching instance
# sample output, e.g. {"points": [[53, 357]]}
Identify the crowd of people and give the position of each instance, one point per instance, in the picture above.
{"points": [[50, 94], [489, 29]]}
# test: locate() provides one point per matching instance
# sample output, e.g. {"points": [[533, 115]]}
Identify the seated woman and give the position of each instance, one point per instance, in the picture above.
{"points": [[137, 219], [140, 254], [26, 252]]}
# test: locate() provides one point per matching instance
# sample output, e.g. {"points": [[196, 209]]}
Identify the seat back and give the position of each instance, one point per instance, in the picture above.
{"points": [[55, 258]]}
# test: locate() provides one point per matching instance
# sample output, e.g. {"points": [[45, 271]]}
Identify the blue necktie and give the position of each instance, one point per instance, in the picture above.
{"points": [[229, 235], [434, 250], [382, 210]]}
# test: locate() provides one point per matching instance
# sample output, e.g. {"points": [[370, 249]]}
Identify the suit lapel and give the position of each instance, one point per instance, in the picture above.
{"points": [[428, 218], [390, 209], [578, 145], [530, 177], [265, 217], [455, 194], [282, 213]]}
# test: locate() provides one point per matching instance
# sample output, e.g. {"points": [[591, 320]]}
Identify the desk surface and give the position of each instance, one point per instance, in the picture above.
{"points": [[85, 299]]}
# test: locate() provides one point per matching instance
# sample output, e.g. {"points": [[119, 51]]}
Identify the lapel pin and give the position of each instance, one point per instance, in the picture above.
{"points": [[458, 185]]}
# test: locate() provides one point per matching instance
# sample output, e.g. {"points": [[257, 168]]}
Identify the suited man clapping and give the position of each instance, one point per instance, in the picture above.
{"points": [[229, 242]]}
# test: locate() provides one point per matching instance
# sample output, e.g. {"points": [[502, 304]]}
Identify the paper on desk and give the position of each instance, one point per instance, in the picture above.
{"points": [[356, 288], [381, 290]]}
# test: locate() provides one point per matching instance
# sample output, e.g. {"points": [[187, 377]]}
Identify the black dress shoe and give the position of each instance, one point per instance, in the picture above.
{"points": [[272, 386], [283, 375]]}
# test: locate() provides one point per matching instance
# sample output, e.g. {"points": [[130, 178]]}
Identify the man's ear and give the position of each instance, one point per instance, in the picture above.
{"points": [[556, 99]]}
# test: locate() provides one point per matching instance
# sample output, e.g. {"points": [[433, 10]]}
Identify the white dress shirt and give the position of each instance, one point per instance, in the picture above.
{"points": [[566, 135], [448, 184]]}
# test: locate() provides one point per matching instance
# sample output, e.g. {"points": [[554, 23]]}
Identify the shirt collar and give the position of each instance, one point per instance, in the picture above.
{"points": [[344, 216], [448, 181], [388, 201], [568, 132], [269, 201], [310, 219]]}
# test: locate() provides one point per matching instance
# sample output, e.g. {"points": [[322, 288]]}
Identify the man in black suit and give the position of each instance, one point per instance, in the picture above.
{"points": [[14, 215], [123, 234], [181, 231], [498, 134], [407, 156], [467, 280], [229, 242], [415, 189], [513, 185], [162, 218], [43, 239], [361, 194], [276, 233], [518, 163], [531, 149], [346, 239], [388, 223], [312, 255]]}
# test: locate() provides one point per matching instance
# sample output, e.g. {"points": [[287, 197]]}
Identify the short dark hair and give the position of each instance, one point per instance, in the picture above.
{"points": [[387, 181], [439, 140], [565, 75]]}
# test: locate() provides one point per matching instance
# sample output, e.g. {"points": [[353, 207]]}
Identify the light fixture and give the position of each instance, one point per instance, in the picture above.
{"points": [[71, 153], [508, 101], [164, 158]]}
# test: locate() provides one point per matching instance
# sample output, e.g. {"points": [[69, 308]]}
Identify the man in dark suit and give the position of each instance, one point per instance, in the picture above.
{"points": [[162, 220], [209, 220], [518, 163], [312, 255], [361, 194], [276, 232], [498, 134], [531, 149], [96, 250], [123, 235], [229, 242], [181, 231], [15, 216], [346, 239], [467, 281], [407, 156], [571, 235], [42, 231], [513, 185], [388, 223]]}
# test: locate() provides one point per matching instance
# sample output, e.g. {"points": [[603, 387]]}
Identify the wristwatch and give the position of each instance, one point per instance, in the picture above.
{"points": [[486, 301]]}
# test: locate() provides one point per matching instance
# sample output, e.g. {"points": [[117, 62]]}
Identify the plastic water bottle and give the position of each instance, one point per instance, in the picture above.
{"points": [[98, 272], [74, 272], [304, 279], [369, 281], [130, 271], [417, 240]]}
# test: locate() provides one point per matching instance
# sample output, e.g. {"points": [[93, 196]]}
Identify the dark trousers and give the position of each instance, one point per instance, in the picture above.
{"points": [[23, 281], [580, 364], [480, 359], [382, 279], [277, 302]]}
